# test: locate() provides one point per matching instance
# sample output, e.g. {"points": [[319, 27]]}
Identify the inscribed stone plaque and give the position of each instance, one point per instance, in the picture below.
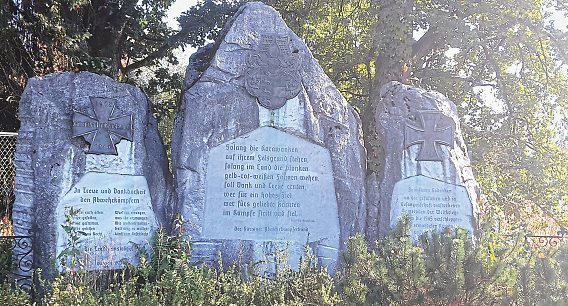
{"points": [[270, 185], [431, 205], [115, 213]]}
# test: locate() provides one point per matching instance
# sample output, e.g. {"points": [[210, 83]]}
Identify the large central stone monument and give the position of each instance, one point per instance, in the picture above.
{"points": [[267, 154]]}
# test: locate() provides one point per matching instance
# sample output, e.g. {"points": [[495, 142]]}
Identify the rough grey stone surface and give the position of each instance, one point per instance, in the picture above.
{"points": [[216, 108], [49, 161], [398, 105]]}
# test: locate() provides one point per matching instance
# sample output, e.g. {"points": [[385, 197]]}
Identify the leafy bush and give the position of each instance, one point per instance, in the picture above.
{"points": [[11, 296], [391, 273], [168, 278], [446, 268], [5, 254]]}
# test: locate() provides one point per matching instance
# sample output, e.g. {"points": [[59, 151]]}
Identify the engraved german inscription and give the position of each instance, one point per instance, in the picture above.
{"points": [[431, 205], [115, 211], [269, 185]]}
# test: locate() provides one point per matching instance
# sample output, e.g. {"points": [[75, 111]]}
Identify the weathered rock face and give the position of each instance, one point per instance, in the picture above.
{"points": [[90, 143], [263, 88], [427, 172]]}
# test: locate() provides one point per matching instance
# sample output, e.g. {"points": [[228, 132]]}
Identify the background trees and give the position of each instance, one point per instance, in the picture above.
{"points": [[113, 37], [503, 62]]}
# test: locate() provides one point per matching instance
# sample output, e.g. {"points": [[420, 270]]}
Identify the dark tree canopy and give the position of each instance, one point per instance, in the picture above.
{"points": [[112, 37]]}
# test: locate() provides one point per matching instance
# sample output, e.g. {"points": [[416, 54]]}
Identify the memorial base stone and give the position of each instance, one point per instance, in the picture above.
{"points": [[88, 142]]}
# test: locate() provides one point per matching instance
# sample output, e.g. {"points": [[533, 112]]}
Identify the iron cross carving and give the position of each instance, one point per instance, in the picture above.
{"points": [[430, 135], [103, 130], [273, 71]]}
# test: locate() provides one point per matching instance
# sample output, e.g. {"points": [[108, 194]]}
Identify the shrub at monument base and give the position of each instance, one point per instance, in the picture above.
{"points": [[5, 254], [448, 269], [443, 269]]}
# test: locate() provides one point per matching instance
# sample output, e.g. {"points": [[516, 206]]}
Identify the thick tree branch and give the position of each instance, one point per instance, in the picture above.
{"points": [[169, 44], [197, 20], [425, 44]]}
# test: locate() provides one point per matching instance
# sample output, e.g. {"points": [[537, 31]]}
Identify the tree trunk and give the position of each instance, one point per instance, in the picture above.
{"points": [[394, 46], [107, 20]]}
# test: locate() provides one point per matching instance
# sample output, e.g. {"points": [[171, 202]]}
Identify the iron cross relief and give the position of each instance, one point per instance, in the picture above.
{"points": [[433, 132], [103, 130]]}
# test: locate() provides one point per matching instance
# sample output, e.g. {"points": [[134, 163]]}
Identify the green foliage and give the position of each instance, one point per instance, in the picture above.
{"points": [[446, 268], [127, 40], [70, 257], [502, 62], [507, 75], [340, 35], [450, 269], [71, 290], [5, 255], [10, 296], [391, 273], [464, 274], [168, 278], [543, 280]]}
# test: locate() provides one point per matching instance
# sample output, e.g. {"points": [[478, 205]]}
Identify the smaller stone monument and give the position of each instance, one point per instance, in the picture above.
{"points": [[426, 170], [90, 164]]}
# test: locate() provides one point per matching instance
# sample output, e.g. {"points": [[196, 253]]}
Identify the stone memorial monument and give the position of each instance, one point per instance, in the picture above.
{"points": [[89, 144], [426, 171], [267, 154]]}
